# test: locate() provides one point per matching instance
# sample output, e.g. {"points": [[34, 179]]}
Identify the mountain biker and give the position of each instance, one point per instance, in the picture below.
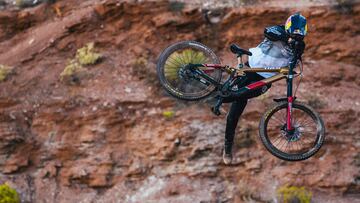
{"points": [[274, 52]]}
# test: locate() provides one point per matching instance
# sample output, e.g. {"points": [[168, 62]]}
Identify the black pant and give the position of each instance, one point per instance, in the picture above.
{"points": [[237, 107]]}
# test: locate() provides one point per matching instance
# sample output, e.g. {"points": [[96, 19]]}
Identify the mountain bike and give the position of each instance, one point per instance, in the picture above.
{"points": [[290, 130]]}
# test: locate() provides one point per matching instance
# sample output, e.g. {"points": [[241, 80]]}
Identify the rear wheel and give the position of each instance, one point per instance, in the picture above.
{"points": [[301, 143], [174, 77]]}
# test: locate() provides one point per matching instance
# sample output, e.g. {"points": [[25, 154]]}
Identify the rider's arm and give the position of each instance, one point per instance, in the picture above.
{"points": [[276, 33]]}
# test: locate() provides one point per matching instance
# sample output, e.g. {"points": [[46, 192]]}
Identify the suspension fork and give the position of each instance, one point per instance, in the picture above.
{"points": [[290, 97]]}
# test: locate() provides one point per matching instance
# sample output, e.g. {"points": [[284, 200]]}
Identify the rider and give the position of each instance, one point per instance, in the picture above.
{"points": [[274, 52]]}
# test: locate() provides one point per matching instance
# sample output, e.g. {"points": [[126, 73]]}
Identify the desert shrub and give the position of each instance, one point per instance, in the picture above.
{"points": [[139, 67], [71, 69], [145, 70], [8, 194], [168, 114], [316, 102], [176, 6], [87, 56], [25, 3], [357, 159], [345, 6], [30, 3], [265, 98], [4, 72], [292, 194], [20, 3], [245, 140]]}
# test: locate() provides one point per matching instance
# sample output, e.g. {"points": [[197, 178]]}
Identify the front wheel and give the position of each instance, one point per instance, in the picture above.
{"points": [[301, 143]]}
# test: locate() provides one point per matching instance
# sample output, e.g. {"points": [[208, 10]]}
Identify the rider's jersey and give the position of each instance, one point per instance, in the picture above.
{"points": [[273, 52]]}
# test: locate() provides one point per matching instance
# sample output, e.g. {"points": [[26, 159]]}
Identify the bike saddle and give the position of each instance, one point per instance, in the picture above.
{"points": [[239, 51]]}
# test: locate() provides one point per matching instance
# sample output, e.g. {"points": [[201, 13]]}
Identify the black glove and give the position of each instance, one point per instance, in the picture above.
{"points": [[298, 46]]}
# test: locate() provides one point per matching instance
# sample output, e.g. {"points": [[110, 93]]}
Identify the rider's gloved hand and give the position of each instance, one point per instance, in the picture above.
{"points": [[297, 45]]}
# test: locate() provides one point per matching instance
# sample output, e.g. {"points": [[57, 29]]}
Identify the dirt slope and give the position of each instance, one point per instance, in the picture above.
{"points": [[106, 139]]}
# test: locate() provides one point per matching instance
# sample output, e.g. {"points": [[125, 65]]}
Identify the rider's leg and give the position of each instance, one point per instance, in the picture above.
{"points": [[236, 109]]}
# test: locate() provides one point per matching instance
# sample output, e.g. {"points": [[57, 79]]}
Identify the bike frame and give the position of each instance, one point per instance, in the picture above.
{"points": [[282, 73]]}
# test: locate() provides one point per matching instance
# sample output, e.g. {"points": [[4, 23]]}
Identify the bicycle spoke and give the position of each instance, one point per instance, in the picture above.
{"points": [[285, 141], [305, 143], [298, 144], [275, 118], [307, 122], [191, 56], [200, 58], [187, 55], [173, 61], [302, 140], [308, 131], [277, 138], [175, 57], [307, 139], [278, 121]]}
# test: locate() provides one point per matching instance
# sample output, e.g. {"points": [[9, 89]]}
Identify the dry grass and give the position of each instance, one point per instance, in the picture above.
{"points": [[288, 194], [4, 72]]}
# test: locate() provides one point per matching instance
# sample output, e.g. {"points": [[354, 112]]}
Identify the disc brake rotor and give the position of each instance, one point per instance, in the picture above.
{"points": [[293, 136]]}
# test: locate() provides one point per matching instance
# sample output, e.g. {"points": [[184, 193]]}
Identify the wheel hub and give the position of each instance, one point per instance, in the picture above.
{"points": [[185, 74], [292, 135]]}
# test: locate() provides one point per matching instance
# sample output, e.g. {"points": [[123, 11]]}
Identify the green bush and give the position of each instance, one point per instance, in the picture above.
{"points": [[8, 194], [87, 56], [290, 194]]}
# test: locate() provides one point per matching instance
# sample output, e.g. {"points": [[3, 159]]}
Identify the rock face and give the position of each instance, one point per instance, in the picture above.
{"points": [[107, 139]]}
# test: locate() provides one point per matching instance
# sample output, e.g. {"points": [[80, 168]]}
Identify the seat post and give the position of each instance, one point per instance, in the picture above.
{"points": [[240, 61]]}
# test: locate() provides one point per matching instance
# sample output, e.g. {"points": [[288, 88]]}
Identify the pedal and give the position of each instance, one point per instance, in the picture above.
{"points": [[215, 111]]}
